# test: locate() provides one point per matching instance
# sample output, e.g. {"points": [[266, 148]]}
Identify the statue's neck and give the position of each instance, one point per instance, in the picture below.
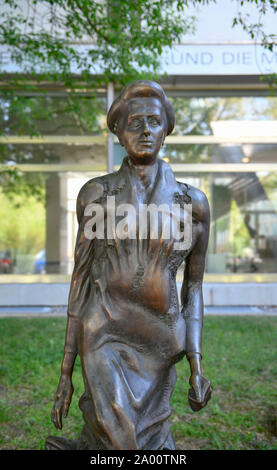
{"points": [[145, 173]]}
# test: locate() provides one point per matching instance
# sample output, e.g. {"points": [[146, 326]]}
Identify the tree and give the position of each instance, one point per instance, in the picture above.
{"points": [[126, 40], [256, 30]]}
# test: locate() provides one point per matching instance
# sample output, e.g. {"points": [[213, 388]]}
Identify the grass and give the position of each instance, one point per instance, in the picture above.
{"points": [[238, 357]]}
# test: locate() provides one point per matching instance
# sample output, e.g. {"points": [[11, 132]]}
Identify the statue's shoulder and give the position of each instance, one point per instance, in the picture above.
{"points": [[97, 188], [198, 199], [95, 191]]}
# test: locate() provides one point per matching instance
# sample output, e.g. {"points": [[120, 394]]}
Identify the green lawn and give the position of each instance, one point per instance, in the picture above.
{"points": [[238, 357]]}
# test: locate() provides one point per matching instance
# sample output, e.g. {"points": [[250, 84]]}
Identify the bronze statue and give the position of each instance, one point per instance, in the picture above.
{"points": [[124, 318]]}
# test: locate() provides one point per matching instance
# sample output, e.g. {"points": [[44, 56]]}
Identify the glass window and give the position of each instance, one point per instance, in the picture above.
{"points": [[38, 222], [220, 153], [53, 129], [243, 235], [50, 114], [38, 206], [198, 115], [220, 130], [71, 153], [39, 225]]}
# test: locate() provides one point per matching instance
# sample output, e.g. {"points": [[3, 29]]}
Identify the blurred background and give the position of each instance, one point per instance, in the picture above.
{"points": [[224, 142]]}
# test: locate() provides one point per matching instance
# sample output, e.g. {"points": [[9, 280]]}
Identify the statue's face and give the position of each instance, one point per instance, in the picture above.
{"points": [[143, 130]]}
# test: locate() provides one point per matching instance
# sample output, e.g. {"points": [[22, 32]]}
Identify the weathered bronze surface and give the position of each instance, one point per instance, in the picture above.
{"points": [[124, 318]]}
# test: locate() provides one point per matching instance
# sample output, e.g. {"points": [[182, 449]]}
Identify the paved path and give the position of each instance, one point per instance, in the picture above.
{"points": [[43, 312]]}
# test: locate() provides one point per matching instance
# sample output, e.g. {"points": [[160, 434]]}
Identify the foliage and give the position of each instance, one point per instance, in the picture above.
{"points": [[124, 35], [239, 238], [124, 41], [22, 220], [256, 30], [270, 185]]}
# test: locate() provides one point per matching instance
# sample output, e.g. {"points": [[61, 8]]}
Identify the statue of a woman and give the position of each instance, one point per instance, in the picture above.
{"points": [[124, 318]]}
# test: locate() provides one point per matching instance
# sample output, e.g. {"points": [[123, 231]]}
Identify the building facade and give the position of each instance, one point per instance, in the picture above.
{"points": [[224, 142]]}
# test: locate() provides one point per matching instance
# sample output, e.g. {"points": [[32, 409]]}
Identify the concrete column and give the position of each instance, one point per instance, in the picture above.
{"points": [[110, 156], [65, 225], [53, 224]]}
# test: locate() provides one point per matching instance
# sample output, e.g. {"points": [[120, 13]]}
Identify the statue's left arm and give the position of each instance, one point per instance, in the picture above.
{"points": [[192, 300], [77, 296]]}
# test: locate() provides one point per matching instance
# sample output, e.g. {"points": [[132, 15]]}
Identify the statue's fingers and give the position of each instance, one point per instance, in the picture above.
{"points": [[65, 409], [58, 418], [207, 394], [196, 387], [198, 394], [151, 246], [205, 390], [55, 422]]}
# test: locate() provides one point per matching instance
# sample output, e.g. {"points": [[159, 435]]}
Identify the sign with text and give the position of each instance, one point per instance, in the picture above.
{"points": [[186, 59], [219, 59]]}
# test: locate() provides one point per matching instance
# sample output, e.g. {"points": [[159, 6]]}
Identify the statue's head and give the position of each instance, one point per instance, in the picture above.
{"points": [[141, 117]]}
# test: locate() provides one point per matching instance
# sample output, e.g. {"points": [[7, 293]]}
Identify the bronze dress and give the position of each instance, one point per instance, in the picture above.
{"points": [[131, 330]]}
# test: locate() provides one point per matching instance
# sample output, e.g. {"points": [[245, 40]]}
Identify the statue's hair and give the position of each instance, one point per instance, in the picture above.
{"points": [[139, 88]]}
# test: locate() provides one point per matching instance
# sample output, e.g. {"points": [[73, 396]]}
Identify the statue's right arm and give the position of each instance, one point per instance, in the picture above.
{"points": [[77, 295]]}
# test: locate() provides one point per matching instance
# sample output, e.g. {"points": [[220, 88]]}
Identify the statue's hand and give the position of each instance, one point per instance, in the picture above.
{"points": [[200, 391], [62, 400]]}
